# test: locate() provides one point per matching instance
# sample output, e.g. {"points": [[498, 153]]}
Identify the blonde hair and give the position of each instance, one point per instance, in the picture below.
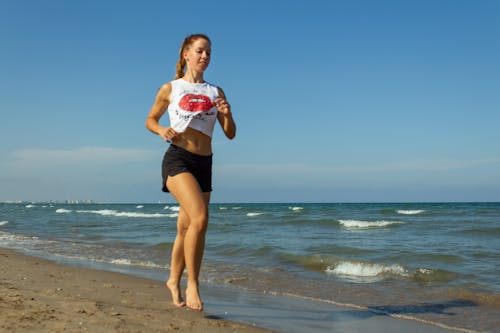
{"points": [[180, 67]]}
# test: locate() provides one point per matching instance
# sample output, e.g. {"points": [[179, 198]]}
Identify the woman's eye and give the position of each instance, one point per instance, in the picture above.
{"points": [[201, 52]]}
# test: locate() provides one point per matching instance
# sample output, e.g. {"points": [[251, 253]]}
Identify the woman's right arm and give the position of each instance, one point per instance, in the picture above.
{"points": [[157, 110]]}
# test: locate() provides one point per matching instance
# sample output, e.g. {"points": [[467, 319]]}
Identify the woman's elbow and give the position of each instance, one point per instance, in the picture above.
{"points": [[149, 123], [231, 135]]}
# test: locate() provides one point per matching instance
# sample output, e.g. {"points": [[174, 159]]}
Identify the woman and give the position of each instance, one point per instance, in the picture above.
{"points": [[193, 106]]}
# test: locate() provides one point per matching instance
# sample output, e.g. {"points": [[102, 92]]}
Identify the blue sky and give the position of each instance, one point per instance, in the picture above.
{"points": [[335, 101]]}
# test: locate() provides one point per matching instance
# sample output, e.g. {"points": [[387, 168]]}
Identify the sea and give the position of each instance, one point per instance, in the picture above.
{"points": [[431, 262]]}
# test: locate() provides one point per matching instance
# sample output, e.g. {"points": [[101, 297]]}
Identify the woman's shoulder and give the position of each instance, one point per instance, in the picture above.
{"points": [[167, 86], [165, 90], [220, 91]]}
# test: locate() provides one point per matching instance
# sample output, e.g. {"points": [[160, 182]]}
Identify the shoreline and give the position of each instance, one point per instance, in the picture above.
{"points": [[42, 295]]}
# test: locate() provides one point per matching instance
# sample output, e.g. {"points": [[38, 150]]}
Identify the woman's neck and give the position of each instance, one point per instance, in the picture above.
{"points": [[193, 77]]}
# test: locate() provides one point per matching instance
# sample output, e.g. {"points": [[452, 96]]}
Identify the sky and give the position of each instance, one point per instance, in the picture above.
{"points": [[335, 101]]}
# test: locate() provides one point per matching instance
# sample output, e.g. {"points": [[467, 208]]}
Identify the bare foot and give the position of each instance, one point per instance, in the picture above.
{"points": [[175, 290], [193, 300]]}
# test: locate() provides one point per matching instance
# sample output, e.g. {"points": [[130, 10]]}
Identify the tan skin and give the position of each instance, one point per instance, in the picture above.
{"points": [[192, 221]]}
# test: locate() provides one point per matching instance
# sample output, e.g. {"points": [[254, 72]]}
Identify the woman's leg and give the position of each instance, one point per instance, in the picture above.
{"points": [[186, 191], [177, 264]]}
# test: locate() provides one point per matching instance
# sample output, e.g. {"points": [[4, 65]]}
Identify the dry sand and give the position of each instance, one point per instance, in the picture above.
{"points": [[37, 295]]}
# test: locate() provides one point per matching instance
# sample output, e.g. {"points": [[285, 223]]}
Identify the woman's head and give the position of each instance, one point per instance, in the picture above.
{"points": [[194, 51]]}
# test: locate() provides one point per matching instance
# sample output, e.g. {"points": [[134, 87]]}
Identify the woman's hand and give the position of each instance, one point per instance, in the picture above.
{"points": [[225, 116], [168, 134], [222, 105]]}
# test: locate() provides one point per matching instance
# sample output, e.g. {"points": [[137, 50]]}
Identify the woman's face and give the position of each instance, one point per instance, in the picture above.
{"points": [[198, 55]]}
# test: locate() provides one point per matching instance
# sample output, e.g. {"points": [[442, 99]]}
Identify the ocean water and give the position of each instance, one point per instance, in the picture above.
{"points": [[434, 262]]}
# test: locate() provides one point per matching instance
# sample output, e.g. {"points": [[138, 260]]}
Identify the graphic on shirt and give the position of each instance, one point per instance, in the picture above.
{"points": [[195, 103], [191, 106]]}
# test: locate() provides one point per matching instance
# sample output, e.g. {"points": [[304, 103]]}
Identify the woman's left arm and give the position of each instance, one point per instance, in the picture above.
{"points": [[225, 116]]}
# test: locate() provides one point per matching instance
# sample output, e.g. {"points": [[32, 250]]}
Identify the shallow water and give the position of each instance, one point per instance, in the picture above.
{"points": [[416, 258]]}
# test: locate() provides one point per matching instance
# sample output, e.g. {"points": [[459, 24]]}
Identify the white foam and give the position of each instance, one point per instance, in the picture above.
{"points": [[355, 224], [30, 206], [175, 208], [3, 223], [296, 208], [128, 262], [62, 210], [139, 206], [361, 271], [254, 214], [110, 212], [410, 212], [121, 261], [426, 271], [20, 241]]}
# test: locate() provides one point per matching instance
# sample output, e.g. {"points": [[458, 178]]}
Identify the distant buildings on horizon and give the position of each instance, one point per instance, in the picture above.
{"points": [[86, 201], [79, 201]]}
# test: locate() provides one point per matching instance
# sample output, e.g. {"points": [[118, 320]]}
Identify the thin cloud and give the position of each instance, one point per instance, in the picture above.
{"points": [[419, 165], [60, 163], [101, 173], [404, 172], [403, 166], [80, 155]]}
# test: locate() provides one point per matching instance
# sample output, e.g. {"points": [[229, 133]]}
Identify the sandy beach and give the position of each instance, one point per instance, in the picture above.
{"points": [[37, 295]]}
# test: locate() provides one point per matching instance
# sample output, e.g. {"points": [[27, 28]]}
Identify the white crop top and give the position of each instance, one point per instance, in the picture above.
{"points": [[191, 104]]}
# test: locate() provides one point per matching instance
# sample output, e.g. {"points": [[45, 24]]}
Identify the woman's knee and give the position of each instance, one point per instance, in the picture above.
{"points": [[193, 220], [199, 222], [181, 230]]}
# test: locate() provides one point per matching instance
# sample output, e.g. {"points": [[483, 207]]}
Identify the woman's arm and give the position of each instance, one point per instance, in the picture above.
{"points": [[157, 110], [225, 116]]}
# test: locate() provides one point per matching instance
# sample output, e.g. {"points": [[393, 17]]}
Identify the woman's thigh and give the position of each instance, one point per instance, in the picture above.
{"points": [[185, 189]]}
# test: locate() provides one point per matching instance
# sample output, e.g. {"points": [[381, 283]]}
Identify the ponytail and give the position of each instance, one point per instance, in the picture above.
{"points": [[180, 67]]}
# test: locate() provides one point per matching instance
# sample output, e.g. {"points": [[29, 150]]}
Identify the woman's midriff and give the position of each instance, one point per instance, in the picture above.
{"points": [[195, 142]]}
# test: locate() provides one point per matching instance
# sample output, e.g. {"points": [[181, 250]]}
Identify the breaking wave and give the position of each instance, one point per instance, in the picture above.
{"points": [[111, 212], [355, 224], [410, 212], [254, 214], [366, 272]]}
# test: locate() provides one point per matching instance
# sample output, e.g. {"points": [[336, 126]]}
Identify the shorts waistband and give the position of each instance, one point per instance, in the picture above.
{"points": [[187, 152]]}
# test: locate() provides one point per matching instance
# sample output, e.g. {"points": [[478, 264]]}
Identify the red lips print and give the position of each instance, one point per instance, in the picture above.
{"points": [[194, 103]]}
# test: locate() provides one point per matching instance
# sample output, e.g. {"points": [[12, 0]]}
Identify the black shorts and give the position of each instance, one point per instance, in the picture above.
{"points": [[177, 160]]}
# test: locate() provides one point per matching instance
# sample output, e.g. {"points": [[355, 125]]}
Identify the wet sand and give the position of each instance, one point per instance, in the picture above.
{"points": [[37, 295]]}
